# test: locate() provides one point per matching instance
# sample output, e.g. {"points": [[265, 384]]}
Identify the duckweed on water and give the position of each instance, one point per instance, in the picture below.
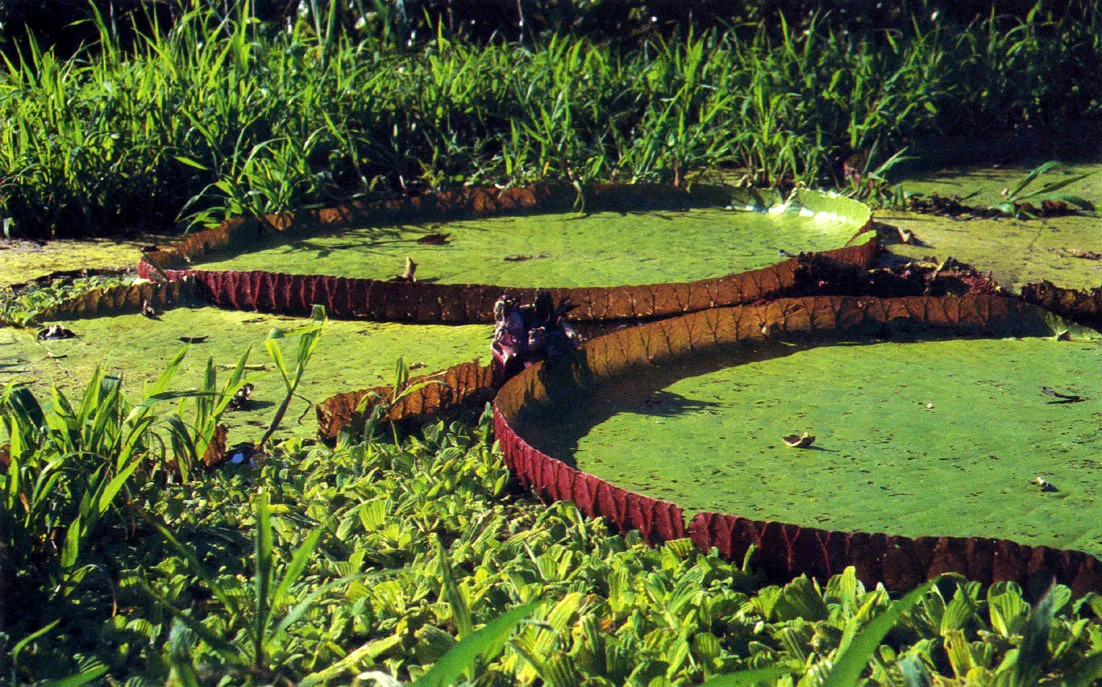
{"points": [[1018, 252], [924, 438]]}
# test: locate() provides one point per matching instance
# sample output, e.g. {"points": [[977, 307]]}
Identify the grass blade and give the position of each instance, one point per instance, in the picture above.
{"points": [[853, 659], [228, 651], [22, 644], [461, 610], [79, 679], [1033, 656], [263, 549], [71, 548], [297, 565], [464, 654]]}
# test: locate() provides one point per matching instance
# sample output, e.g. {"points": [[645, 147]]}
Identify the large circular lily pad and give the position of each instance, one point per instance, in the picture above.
{"points": [[349, 355], [417, 297], [559, 249], [912, 438], [904, 445]]}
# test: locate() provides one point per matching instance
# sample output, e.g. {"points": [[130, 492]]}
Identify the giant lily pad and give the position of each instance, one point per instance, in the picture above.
{"points": [[935, 443], [22, 261], [428, 299], [349, 355], [563, 249], [912, 437]]}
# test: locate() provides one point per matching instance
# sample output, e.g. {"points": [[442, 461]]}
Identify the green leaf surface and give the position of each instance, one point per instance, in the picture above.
{"points": [[466, 653], [852, 660]]}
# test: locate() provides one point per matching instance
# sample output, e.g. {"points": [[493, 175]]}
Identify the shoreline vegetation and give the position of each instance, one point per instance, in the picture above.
{"points": [[391, 559], [222, 114]]}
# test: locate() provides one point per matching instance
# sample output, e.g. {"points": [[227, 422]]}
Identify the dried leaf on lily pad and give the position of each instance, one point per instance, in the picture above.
{"points": [[798, 440], [1063, 398], [521, 257], [1077, 253]]}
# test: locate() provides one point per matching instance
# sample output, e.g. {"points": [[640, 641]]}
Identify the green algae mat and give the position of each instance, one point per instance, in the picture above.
{"points": [[351, 355], [938, 438], [1016, 251], [23, 261], [561, 249]]}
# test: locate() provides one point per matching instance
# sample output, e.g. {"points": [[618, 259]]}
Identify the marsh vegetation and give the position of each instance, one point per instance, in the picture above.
{"points": [[394, 558]]}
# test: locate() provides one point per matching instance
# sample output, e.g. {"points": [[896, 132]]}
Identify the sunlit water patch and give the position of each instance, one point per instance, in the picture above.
{"points": [[931, 438]]}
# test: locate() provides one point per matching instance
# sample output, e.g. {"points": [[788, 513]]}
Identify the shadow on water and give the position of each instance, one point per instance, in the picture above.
{"points": [[363, 238], [577, 401]]}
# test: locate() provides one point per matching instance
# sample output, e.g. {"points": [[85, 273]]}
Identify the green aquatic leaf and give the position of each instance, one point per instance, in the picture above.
{"points": [[467, 652], [748, 678], [852, 659], [915, 673], [801, 598], [1033, 656], [457, 601]]}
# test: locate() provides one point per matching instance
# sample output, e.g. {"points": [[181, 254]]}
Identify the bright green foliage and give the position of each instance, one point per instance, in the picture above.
{"points": [[308, 338], [227, 116], [190, 441], [1018, 201], [378, 559], [21, 309]]}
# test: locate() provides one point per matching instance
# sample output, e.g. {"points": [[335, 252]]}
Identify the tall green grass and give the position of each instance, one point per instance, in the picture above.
{"points": [[228, 115]]}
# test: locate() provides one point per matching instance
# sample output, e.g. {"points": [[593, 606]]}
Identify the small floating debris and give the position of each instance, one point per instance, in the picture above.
{"points": [[1076, 253], [149, 311], [798, 440], [1063, 398], [434, 239], [521, 257], [409, 274], [1044, 484], [194, 339], [55, 332], [242, 398]]}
